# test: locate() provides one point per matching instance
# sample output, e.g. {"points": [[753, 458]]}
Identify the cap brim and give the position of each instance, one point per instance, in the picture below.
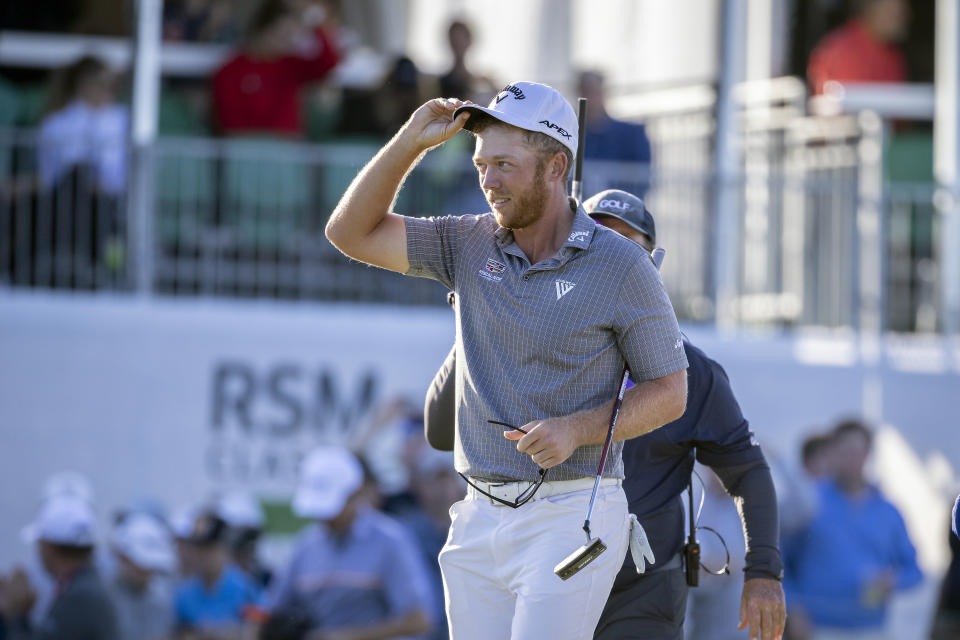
{"points": [[502, 117], [632, 225]]}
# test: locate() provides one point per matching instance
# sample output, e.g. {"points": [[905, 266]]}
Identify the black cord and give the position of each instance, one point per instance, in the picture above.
{"points": [[692, 548]]}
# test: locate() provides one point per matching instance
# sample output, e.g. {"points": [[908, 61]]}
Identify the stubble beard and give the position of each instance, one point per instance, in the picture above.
{"points": [[529, 205]]}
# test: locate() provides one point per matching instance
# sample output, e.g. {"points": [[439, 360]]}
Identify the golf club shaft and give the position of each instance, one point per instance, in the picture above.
{"points": [[606, 446], [576, 189]]}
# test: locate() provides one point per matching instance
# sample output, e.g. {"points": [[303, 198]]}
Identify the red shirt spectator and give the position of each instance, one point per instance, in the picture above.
{"points": [[864, 49], [258, 90]]}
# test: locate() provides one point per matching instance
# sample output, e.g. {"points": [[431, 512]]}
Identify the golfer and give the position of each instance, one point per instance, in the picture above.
{"points": [[551, 307]]}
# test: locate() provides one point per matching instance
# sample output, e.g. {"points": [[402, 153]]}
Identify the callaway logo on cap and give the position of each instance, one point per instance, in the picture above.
{"points": [[534, 107]]}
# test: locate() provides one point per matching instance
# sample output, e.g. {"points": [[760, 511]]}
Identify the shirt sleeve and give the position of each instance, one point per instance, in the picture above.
{"points": [[432, 247], [721, 434], [646, 326], [751, 487], [440, 405]]}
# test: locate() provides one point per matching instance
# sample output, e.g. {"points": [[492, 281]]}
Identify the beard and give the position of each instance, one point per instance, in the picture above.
{"points": [[529, 205]]}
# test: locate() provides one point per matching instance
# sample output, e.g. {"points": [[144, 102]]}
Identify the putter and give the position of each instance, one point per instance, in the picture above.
{"points": [[589, 552]]}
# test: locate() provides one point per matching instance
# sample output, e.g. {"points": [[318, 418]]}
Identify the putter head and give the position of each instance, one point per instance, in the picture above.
{"points": [[580, 558]]}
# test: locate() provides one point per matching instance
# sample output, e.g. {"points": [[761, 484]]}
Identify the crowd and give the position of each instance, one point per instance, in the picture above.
{"points": [[280, 83], [364, 565]]}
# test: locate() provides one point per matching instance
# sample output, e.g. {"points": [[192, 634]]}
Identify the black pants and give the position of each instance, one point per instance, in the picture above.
{"points": [[650, 607]]}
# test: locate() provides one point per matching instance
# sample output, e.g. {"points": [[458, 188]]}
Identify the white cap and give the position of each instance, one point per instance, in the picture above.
{"points": [[328, 477], [70, 484], [240, 509], [534, 107], [145, 542], [65, 520]]}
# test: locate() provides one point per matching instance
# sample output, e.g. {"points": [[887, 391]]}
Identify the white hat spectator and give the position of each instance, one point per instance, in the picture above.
{"points": [[145, 542], [328, 477], [64, 520], [241, 510]]}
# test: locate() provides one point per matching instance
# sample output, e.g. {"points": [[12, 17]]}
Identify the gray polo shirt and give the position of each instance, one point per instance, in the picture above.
{"points": [[544, 340]]}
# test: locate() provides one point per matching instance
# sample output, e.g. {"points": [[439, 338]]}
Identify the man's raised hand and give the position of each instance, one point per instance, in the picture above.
{"points": [[433, 122]]}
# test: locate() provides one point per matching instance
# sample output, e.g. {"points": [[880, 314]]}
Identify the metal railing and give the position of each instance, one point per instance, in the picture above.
{"points": [[245, 218]]}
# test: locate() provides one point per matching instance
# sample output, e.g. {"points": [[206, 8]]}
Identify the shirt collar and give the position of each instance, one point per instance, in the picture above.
{"points": [[581, 233]]}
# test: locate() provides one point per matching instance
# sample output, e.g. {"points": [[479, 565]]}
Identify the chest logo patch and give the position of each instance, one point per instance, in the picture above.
{"points": [[495, 267], [563, 288], [492, 270]]}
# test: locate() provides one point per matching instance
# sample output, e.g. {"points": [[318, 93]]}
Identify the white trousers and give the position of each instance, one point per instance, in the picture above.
{"points": [[498, 562]]}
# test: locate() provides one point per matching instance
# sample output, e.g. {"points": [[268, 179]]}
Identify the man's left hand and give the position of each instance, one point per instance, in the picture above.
{"points": [[548, 442], [763, 608]]}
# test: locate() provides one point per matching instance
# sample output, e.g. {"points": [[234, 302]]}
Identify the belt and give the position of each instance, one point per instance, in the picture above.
{"points": [[510, 491]]}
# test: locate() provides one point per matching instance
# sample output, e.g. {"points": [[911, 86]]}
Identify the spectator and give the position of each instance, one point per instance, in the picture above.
{"points": [[815, 453], [82, 162], [258, 90], [61, 484], [64, 533], [356, 571], [399, 96], [244, 518], [854, 553], [864, 49], [435, 486], [144, 553], [613, 140], [85, 127], [459, 81], [219, 598], [181, 526]]}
